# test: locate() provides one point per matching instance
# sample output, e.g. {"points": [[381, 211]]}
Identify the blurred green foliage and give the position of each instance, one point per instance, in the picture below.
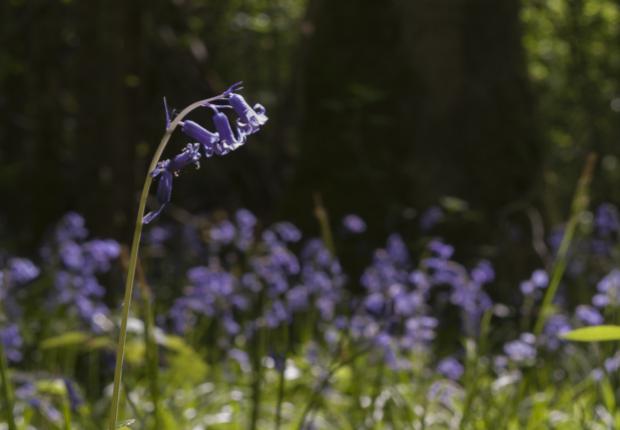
{"points": [[575, 71]]}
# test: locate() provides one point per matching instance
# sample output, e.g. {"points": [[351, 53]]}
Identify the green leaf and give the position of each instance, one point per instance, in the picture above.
{"points": [[73, 338], [597, 333], [76, 339]]}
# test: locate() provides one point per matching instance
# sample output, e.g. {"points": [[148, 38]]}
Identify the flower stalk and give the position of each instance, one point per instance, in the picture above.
{"points": [[7, 392], [135, 245]]}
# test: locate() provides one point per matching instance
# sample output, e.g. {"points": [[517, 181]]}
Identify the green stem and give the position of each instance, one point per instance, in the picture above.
{"points": [[282, 379], [152, 358], [66, 411], [579, 204], [133, 258], [7, 392], [323, 218], [316, 393], [257, 367]]}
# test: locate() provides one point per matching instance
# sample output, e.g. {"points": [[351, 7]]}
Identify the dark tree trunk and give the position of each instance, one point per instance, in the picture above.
{"points": [[417, 100], [109, 71], [424, 99]]}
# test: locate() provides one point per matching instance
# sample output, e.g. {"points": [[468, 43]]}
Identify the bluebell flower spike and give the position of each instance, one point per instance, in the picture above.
{"points": [[224, 140]]}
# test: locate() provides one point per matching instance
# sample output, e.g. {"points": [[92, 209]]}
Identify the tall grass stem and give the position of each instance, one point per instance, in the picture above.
{"points": [[7, 392], [579, 205]]}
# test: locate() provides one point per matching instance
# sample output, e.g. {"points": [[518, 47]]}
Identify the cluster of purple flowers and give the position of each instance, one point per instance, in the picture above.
{"points": [[220, 142], [466, 286], [538, 281], [395, 314], [523, 350], [72, 264], [251, 279], [254, 281], [17, 273], [608, 290], [268, 279], [76, 262]]}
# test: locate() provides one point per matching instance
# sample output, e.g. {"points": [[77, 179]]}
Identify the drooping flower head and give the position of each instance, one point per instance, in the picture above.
{"points": [[220, 142]]}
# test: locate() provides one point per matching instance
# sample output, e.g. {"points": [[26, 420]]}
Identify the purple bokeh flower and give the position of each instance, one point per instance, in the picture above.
{"points": [[522, 350], [450, 368], [22, 270], [431, 217], [588, 315], [608, 290], [12, 342], [537, 281], [354, 224]]}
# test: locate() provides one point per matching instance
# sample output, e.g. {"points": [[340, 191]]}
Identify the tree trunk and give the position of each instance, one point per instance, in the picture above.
{"points": [[419, 100]]}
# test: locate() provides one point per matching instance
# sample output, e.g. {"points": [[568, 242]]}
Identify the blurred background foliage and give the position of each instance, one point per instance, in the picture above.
{"points": [[484, 108]]}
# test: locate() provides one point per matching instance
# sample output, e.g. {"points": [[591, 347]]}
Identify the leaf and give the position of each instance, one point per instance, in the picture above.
{"points": [[73, 338], [597, 333], [76, 339]]}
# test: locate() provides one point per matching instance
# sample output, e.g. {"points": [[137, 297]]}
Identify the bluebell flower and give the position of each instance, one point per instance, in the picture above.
{"points": [[246, 223], [223, 233], [554, 327], [606, 219], [354, 224], [250, 119], [241, 357], [71, 255], [71, 227], [276, 314], [483, 273], [165, 171], [22, 270], [375, 304], [431, 217], [419, 331], [397, 249], [441, 249], [75, 282], [156, 238], [287, 231], [522, 350], [245, 219], [612, 364], [230, 325], [204, 137], [407, 304], [298, 298], [588, 315], [75, 400], [12, 342], [229, 141], [450, 368], [100, 253], [608, 290], [445, 393], [538, 280]]}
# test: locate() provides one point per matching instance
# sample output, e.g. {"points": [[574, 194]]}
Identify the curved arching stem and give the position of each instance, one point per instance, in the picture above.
{"points": [[133, 256]]}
